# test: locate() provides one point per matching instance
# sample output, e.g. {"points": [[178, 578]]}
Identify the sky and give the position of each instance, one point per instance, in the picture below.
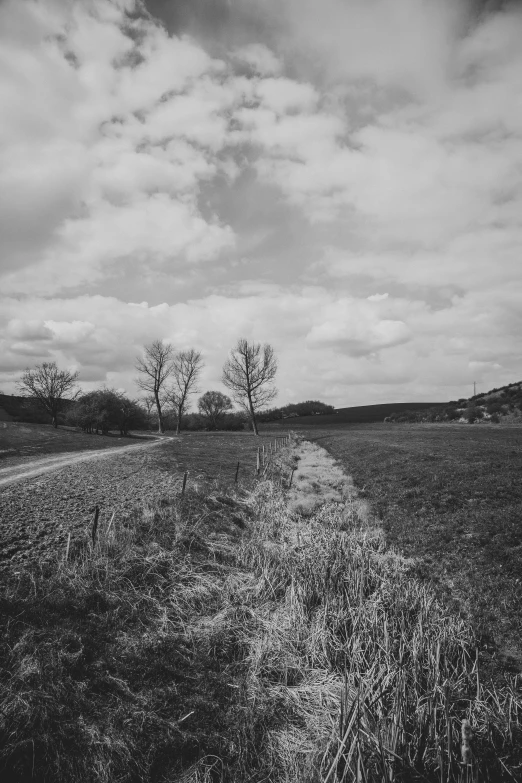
{"points": [[338, 178]]}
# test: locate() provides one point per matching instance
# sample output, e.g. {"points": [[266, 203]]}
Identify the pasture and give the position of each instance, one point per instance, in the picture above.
{"points": [[214, 456], [450, 496]]}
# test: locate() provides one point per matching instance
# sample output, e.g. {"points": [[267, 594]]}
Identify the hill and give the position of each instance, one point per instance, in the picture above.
{"points": [[361, 414], [503, 404]]}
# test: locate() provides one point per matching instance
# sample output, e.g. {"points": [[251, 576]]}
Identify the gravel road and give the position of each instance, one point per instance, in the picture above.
{"points": [[39, 509]]}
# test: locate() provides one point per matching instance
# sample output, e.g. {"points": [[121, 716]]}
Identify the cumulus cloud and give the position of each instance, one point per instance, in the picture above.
{"points": [[346, 350], [380, 141], [259, 58], [111, 126]]}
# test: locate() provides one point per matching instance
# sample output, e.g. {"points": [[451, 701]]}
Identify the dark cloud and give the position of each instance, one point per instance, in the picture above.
{"points": [[220, 23]]}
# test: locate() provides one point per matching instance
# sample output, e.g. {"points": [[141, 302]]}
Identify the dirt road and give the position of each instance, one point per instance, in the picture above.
{"points": [[16, 473]]}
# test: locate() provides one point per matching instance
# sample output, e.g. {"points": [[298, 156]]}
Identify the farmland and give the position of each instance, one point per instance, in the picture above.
{"points": [[20, 441], [450, 496], [358, 414], [229, 634], [37, 514]]}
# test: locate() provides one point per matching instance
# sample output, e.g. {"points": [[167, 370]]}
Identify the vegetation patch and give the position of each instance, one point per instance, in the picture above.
{"points": [[226, 636], [451, 497]]}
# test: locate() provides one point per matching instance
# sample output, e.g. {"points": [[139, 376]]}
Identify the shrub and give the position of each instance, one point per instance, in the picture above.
{"points": [[473, 414], [451, 413], [104, 410]]}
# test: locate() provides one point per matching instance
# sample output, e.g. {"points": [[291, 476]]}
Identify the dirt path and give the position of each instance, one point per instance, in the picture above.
{"points": [[16, 473]]}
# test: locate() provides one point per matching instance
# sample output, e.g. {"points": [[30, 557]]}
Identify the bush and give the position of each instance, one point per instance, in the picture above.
{"points": [[450, 413], [473, 414], [104, 410]]}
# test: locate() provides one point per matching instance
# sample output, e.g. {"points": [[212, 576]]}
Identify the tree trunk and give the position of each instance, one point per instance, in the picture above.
{"points": [[253, 416], [160, 415], [178, 423], [55, 421]]}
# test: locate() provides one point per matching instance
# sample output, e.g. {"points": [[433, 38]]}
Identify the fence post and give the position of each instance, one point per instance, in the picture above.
{"points": [[110, 524], [237, 472], [95, 524], [184, 482], [291, 477], [257, 462]]}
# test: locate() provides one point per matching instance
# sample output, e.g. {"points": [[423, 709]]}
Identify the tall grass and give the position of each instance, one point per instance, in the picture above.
{"points": [[246, 637], [377, 676]]}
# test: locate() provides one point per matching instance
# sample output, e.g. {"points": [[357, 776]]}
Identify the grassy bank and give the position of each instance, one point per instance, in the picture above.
{"points": [[266, 635], [451, 497]]}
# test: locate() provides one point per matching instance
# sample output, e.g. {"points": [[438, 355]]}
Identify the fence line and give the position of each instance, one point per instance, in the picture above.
{"points": [[264, 461]]}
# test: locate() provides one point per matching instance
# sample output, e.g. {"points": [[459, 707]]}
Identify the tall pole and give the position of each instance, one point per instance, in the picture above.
{"points": [[474, 388]]}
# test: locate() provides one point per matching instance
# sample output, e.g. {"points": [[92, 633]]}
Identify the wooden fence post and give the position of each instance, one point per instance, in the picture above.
{"points": [[184, 482], [258, 462], [95, 524], [291, 477]]}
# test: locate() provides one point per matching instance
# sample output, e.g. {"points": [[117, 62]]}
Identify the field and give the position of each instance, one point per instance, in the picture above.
{"points": [[252, 632], [449, 495], [40, 510], [213, 456], [357, 414], [21, 440]]}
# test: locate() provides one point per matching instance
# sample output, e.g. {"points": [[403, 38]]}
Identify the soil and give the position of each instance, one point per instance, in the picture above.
{"points": [[42, 501], [41, 504]]}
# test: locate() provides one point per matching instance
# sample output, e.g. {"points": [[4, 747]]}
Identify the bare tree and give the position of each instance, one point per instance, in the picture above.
{"points": [[148, 403], [212, 405], [186, 371], [155, 368], [50, 386], [249, 373]]}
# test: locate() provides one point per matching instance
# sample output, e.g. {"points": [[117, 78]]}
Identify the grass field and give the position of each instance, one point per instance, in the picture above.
{"points": [[213, 456], [450, 496], [235, 635], [39, 440], [357, 414]]}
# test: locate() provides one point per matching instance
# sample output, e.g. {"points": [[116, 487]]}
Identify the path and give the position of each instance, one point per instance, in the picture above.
{"points": [[46, 464]]}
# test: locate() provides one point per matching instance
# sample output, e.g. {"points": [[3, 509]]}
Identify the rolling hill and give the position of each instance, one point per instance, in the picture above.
{"points": [[359, 414]]}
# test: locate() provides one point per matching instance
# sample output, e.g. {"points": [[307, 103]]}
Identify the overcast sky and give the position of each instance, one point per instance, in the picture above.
{"points": [[340, 178]]}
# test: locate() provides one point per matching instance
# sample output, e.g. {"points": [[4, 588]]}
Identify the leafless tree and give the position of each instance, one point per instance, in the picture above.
{"points": [[187, 368], [249, 373], [212, 405], [50, 386], [148, 403], [154, 368]]}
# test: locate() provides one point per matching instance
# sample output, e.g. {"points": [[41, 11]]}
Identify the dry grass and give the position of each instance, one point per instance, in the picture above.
{"points": [[227, 637]]}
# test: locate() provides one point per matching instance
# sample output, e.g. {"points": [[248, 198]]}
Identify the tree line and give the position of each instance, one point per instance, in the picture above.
{"points": [[169, 379]]}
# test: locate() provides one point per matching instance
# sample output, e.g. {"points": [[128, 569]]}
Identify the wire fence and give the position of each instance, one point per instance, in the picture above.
{"points": [[268, 465]]}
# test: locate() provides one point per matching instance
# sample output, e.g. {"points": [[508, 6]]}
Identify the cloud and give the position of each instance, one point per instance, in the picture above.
{"points": [[111, 126], [269, 190], [346, 350], [401, 44], [28, 330], [259, 58]]}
